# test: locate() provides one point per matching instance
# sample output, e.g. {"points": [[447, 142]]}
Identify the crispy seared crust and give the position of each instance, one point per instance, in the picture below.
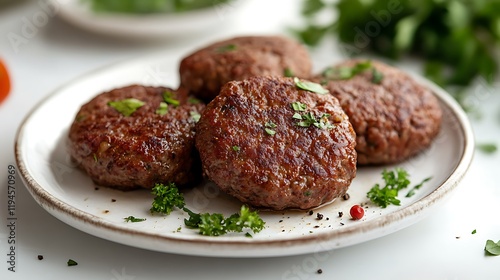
{"points": [[140, 150], [393, 120], [298, 167]]}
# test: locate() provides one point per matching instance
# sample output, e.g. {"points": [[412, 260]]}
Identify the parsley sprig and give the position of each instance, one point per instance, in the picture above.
{"points": [[394, 182], [348, 72], [456, 38], [167, 197]]}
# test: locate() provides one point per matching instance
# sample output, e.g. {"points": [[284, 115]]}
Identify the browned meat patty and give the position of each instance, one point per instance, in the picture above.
{"points": [[204, 72], [255, 147], [153, 145], [394, 118]]}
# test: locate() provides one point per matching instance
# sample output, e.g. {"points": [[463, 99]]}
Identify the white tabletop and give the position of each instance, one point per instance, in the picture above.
{"points": [[441, 246]]}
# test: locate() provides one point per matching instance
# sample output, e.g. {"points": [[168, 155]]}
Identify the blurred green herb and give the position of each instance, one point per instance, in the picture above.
{"points": [[488, 148], [456, 38], [150, 6]]}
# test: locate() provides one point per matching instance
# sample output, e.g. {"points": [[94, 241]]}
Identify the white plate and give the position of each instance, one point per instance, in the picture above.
{"points": [[68, 194], [147, 26]]}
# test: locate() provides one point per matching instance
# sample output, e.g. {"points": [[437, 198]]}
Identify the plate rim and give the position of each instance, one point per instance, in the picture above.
{"points": [[62, 210]]}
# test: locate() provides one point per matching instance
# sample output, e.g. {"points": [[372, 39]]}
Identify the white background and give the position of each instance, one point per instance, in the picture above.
{"points": [[439, 247]]}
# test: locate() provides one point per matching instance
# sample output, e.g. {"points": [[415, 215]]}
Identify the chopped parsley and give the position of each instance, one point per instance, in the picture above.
{"points": [[168, 97], [127, 106], [492, 248], [216, 224], [269, 128], [308, 119], [133, 219], [236, 148], [394, 182], [347, 72], [298, 106], [488, 148], [226, 48], [72, 262], [417, 187], [377, 76], [162, 109], [211, 224], [193, 100], [288, 72], [474, 232], [166, 198], [195, 116], [310, 86]]}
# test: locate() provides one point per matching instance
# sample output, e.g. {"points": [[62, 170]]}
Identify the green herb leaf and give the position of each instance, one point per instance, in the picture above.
{"points": [[168, 97], [133, 219], [298, 106], [166, 198], [193, 100], [269, 128], [474, 232], [308, 119], [377, 76], [394, 182], [346, 72], [492, 248], [127, 106], [195, 116], [151, 6], [72, 262], [236, 148], [162, 109], [288, 72], [488, 148], [226, 48], [310, 86]]}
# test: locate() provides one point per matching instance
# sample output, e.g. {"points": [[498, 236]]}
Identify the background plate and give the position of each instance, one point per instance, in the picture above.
{"points": [[68, 194]]}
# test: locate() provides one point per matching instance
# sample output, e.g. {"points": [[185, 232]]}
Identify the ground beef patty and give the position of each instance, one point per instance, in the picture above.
{"points": [[394, 118], [205, 71], [153, 145], [254, 146]]}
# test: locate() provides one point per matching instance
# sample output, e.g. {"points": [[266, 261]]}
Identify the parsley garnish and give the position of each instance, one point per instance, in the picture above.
{"points": [[133, 219], [288, 72], [212, 224], [308, 119], [162, 109], [195, 116], [310, 86], [488, 148], [166, 198], [236, 148], [347, 72], [226, 48], [297, 106], [492, 248], [193, 100], [168, 97], [127, 106], [216, 224], [377, 76], [394, 182], [269, 128], [417, 187]]}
